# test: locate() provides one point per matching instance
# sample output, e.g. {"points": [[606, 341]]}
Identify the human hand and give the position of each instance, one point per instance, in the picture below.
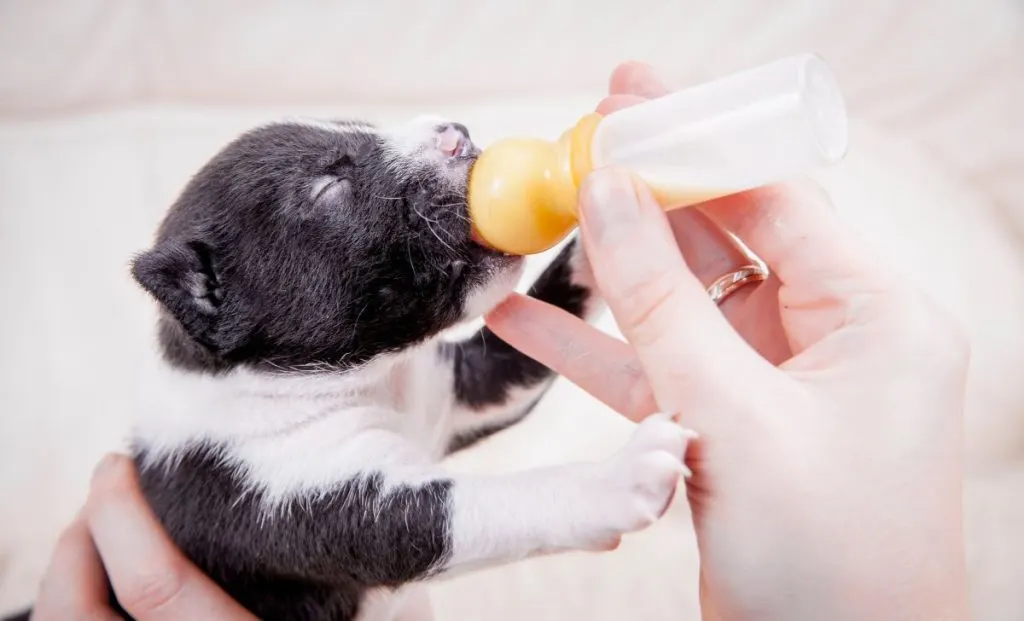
{"points": [[827, 477], [151, 578]]}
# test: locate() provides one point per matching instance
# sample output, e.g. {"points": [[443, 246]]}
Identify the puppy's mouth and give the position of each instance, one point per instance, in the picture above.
{"points": [[454, 142], [478, 239], [486, 251], [488, 255], [464, 149]]}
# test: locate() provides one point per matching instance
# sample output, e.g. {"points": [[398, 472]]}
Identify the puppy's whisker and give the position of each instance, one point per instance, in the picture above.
{"points": [[460, 216], [432, 231], [408, 254], [447, 207]]}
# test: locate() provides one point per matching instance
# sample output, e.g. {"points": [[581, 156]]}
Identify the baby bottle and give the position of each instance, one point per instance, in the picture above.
{"points": [[749, 129]]}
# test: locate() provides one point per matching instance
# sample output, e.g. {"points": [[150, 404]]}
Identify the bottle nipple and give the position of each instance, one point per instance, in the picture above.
{"points": [[733, 134], [523, 191]]}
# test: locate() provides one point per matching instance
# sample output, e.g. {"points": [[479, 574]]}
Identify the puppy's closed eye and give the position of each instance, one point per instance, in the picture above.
{"points": [[342, 167], [330, 187], [333, 189]]}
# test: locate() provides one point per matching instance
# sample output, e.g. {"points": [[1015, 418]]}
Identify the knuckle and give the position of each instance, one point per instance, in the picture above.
{"points": [[150, 591], [640, 401]]}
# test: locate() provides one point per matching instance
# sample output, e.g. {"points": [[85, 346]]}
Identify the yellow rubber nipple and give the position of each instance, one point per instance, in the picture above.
{"points": [[523, 191]]}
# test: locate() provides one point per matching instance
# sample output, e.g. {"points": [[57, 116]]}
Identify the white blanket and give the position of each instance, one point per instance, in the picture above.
{"points": [[106, 107]]}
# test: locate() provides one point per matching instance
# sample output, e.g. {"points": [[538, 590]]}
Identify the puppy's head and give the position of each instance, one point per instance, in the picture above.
{"points": [[308, 243]]}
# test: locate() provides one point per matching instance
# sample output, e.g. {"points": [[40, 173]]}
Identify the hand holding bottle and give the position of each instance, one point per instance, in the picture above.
{"points": [[754, 127], [827, 476]]}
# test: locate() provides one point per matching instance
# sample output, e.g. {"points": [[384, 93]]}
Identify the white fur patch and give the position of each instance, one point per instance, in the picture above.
{"points": [[341, 127], [412, 138], [296, 433], [414, 146]]}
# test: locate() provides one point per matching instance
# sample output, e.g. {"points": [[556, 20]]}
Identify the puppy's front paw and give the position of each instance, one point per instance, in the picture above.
{"points": [[640, 480]]}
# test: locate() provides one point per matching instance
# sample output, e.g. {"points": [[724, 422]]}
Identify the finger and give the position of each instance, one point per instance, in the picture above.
{"points": [[74, 586], [152, 579], [711, 253], [603, 366], [708, 606], [612, 103], [755, 313], [635, 78], [682, 340], [822, 267], [797, 232]]}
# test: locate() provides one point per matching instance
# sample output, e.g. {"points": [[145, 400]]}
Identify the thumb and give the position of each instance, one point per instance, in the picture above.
{"points": [[681, 339], [151, 578]]}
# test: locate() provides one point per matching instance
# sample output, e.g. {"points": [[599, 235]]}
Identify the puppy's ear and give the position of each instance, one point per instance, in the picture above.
{"points": [[183, 277]]}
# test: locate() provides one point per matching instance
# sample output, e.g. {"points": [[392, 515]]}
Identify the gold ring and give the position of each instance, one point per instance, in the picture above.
{"points": [[734, 280]]}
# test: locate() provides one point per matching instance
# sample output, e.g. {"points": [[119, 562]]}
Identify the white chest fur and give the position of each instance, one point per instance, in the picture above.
{"points": [[294, 433]]}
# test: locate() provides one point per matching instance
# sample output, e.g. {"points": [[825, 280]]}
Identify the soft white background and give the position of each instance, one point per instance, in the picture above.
{"points": [[107, 106]]}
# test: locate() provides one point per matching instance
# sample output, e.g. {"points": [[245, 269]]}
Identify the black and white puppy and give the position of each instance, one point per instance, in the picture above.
{"points": [[304, 277]]}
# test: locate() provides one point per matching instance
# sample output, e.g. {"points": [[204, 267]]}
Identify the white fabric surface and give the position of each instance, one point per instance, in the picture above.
{"points": [[106, 107]]}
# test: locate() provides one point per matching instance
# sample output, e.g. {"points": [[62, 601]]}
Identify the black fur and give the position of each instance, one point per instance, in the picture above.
{"points": [[486, 367], [310, 558]]}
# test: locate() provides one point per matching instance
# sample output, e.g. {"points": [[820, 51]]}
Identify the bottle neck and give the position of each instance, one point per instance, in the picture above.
{"points": [[573, 163], [523, 192]]}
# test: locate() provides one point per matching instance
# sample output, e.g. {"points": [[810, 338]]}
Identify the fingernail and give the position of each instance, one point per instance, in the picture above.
{"points": [[608, 202]]}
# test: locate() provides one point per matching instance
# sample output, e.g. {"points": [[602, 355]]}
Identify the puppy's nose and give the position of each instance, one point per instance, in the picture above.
{"points": [[453, 140]]}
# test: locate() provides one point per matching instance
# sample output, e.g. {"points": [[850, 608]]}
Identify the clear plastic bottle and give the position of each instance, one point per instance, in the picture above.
{"points": [[743, 131]]}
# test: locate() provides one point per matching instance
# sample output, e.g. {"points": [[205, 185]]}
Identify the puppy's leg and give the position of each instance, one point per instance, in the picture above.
{"points": [[494, 384], [498, 519], [330, 545]]}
